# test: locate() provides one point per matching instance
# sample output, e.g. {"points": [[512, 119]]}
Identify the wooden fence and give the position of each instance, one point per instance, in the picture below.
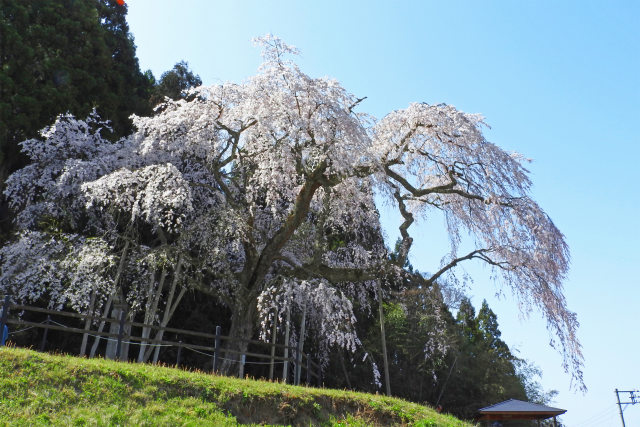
{"points": [[298, 360]]}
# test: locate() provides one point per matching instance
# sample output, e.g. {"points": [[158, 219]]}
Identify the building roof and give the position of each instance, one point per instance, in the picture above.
{"points": [[513, 409]]}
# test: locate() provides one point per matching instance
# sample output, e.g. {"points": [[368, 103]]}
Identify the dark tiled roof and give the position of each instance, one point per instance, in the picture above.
{"points": [[513, 405]]}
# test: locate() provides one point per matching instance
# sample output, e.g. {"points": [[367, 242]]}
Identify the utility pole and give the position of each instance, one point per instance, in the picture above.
{"points": [[634, 397]]}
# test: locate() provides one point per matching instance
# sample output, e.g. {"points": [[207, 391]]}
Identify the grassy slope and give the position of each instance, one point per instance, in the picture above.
{"points": [[37, 388]]}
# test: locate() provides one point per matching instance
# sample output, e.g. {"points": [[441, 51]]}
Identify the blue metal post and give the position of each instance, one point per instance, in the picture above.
{"points": [[3, 320]]}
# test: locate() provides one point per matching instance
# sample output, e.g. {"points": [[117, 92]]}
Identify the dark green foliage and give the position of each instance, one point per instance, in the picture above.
{"points": [[174, 83], [129, 88], [476, 370], [485, 370], [59, 56]]}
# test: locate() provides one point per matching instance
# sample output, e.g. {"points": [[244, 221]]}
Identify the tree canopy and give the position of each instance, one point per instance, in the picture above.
{"points": [[458, 362], [67, 54], [263, 195], [175, 83], [64, 56]]}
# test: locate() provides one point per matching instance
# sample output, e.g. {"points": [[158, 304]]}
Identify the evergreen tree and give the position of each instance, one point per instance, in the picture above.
{"points": [[129, 88], [174, 83], [59, 56], [462, 369], [485, 368]]}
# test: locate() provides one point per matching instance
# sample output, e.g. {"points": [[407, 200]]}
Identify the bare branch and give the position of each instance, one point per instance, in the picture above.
{"points": [[473, 254], [358, 101]]}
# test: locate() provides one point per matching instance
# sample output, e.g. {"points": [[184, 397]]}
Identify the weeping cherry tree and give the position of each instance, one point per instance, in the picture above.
{"points": [[268, 188]]}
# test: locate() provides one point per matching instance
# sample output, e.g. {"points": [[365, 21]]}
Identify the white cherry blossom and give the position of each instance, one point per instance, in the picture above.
{"points": [[262, 193]]}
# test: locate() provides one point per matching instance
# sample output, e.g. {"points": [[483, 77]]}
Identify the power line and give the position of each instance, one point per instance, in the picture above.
{"points": [[597, 418]]}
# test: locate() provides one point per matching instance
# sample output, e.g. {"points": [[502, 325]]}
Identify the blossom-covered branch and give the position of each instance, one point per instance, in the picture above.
{"points": [[252, 191]]}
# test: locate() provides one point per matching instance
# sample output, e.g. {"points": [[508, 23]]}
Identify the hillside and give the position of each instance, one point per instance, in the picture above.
{"points": [[39, 388]]}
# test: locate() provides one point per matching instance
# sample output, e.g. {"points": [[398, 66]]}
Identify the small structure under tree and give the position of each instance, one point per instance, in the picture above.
{"points": [[512, 410]]}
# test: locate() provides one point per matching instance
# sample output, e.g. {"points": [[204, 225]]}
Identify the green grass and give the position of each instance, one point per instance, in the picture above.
{"points": [[43, 389]]}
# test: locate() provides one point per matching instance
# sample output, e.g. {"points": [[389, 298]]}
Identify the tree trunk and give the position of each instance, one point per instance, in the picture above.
{"points": [[243, 321]]}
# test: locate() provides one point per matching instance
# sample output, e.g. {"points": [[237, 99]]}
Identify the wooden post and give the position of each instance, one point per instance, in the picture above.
{"points": [[44, 335], [296, 363], [216, 350], [344, 371], [285, 369], [123, 316], [179, 354], [87, 324], [273, 343], [300, 345], [118, 348], [243, 359], [5, 314], [384, 341]]}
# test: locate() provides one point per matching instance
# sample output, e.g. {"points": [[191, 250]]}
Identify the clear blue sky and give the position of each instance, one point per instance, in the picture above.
{"points": [[557, 81]]}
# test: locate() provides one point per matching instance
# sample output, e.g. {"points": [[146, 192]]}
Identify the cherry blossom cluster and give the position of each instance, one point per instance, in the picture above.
{"points": [[261, 194]]}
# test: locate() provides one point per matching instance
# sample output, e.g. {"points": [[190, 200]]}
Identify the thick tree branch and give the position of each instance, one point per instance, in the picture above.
{"points": [[440, 189], [334, 274], [405, 245], [300, 210], [478, 253]]}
